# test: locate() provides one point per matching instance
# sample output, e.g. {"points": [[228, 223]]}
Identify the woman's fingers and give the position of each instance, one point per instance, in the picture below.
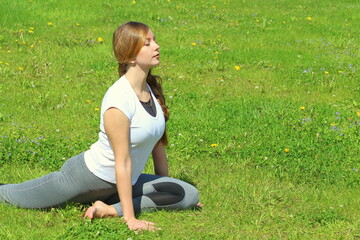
{"points": [[139, 225]]}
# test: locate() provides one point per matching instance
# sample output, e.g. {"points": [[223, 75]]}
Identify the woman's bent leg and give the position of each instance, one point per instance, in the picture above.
{"points": [[73, 183], [155, 192]]}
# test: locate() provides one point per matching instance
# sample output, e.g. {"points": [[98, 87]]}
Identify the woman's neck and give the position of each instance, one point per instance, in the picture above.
{"points": [[137, 79]]}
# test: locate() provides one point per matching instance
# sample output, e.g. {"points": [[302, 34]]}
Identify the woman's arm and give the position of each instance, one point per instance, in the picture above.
{"points": [[117, 127], [160, 160]]}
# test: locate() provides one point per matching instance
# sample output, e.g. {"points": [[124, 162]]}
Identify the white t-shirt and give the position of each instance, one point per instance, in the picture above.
{"points": [[145, 132]]}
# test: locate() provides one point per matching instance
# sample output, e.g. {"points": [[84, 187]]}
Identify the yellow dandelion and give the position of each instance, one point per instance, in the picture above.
{"points": [[194, 43], [9, 51], [309, 18], [7, 64], [286, 150], [20, 68], [340, 72], [214, 145], [237, 68], [113, 68], [326, 73], [49, 23], [31, 28], [358, 114], [88, 101], [215, 57], [100, 39], [77, 24], [1, 62], [16, 40], [302, 108], [257, 20], [333, 124], [39, 41], [32, 45], [168, 1], [24, 43], [214, 7], [134, 2], [97, 109], [21, 30], [30, 31], [216, 52]]}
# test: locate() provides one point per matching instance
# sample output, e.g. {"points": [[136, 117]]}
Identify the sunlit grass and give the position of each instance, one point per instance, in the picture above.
{"points": [[264, 100]]}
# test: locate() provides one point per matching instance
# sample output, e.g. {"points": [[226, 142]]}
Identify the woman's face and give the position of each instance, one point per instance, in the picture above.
{"points": [[149, 54]]}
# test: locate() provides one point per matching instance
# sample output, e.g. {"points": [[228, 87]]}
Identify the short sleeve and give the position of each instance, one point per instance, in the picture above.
{"points": [[118, 96]]}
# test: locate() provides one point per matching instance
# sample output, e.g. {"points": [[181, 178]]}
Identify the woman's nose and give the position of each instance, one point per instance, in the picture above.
{"points": [[156, 46]]}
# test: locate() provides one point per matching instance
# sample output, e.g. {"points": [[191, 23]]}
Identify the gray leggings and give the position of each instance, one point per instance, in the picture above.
{"points": [[75, 183]]}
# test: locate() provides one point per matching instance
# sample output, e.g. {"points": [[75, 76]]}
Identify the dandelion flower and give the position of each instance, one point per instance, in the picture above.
{"points": [[100, 39], [31, 28], [1, 62], [39, 41], [21, 30], [97, 109], [20, 68], [358, 114], [88, 101], [286, 150], [309, 18], [214, 145], [326, 73], [340, 72], [302, 108], [49, 23], [30, 31], [32, 45], [9, 51], [23, 43], [194, 43], [237, 68], [134, 2], [7, 64], [77, 24]]}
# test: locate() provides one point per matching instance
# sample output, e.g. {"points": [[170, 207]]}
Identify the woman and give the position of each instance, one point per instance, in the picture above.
{"points": [[132, 126]]}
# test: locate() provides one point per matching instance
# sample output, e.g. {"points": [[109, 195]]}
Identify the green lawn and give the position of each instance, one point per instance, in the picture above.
{"points": [[265, 112]]}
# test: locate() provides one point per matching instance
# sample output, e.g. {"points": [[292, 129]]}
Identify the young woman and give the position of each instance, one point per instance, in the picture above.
{"points": [[132, 126]]}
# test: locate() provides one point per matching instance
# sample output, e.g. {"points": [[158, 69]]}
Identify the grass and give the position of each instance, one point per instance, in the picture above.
{"points": [[272, 146]]}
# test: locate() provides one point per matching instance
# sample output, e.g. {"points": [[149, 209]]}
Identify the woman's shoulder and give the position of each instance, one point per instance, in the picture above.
{"points": [[120, 88]]}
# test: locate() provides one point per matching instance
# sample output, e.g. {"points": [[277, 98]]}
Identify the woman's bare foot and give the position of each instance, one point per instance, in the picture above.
{"points": [[199, 205], [100, 210]]}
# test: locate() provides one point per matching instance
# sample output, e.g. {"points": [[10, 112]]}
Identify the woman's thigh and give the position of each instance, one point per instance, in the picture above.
{"points": [[73, 183]]}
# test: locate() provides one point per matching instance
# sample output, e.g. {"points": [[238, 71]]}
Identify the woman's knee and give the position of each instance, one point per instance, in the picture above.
{"points": [[191, 197]]}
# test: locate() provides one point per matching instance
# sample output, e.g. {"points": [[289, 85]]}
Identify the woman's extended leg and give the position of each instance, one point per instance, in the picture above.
{"points": [[149, 193], [73, 183]]}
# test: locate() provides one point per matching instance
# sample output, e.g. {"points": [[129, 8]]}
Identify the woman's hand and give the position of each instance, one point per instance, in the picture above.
{"points": [[136, 224]]}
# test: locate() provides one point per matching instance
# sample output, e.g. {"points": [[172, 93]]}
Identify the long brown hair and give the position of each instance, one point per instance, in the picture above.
{"points": [[128, 39]]}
